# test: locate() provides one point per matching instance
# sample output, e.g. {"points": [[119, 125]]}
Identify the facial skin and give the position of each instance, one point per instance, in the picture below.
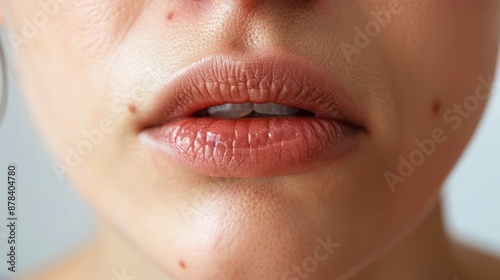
{"points": [[100, 61]]}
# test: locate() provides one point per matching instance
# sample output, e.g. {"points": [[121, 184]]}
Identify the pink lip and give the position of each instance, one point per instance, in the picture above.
{"points": [[252, 147]]}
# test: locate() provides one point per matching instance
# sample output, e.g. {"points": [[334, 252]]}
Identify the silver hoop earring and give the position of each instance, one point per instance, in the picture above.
{"points": [[4, 89]]}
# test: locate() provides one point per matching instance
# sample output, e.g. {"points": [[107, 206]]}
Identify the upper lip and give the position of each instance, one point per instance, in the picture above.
{"points": [[220, 79]]}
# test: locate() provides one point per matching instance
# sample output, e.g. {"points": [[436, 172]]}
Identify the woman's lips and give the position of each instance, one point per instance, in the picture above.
{"points": [[252, 147]]}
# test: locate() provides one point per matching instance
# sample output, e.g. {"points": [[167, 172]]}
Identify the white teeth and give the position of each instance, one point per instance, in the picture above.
{"points": [[274, 109], [231, 111]]}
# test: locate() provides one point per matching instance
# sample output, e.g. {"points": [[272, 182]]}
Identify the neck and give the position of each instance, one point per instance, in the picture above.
{"points": [[426, 253]]}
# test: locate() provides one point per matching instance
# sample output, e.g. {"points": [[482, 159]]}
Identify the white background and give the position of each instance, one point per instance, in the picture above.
{"points": [[53, 219]]}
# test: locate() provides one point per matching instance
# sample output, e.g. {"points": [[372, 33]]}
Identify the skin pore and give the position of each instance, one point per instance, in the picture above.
{"points": [[418, 71]]}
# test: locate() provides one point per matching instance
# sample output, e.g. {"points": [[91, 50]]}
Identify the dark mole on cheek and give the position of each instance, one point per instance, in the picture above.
{"points": [[436, 107], [182, 264], [131, 108]]}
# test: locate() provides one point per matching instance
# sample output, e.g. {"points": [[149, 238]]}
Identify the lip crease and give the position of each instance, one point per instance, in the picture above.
{"points": [[252, 147]]}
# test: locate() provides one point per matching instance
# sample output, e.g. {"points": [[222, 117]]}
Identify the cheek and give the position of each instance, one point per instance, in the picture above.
{"points": [[93, 28], [58, 62], [433, 53], [442, 48]]}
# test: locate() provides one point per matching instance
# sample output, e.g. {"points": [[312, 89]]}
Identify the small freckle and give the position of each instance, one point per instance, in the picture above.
{"points": [[436, 107], [182, 264], [131, 108], [170, 16]]}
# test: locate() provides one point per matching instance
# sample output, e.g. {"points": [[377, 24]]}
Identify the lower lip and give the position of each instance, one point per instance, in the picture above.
{"points": [[250, 148]]}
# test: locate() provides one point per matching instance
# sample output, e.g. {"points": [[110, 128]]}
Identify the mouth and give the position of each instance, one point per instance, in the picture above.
{"points": [[254, 117]]}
